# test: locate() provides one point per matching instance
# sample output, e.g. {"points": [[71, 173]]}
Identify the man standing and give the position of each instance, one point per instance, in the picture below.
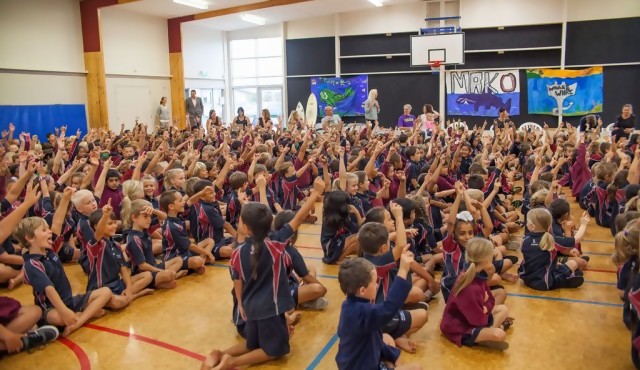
{"points": [[194, 109], [405, 121]]}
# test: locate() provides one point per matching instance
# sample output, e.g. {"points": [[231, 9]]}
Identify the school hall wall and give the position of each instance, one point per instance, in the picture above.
{"points": [[41, 57], [136, 62], [203, 56], [311, 47]]}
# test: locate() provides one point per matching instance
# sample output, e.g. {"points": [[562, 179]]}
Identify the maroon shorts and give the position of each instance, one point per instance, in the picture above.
{"points": [[9, 309]]}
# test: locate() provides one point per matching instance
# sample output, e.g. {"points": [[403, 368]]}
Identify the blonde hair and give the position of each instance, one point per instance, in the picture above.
{"points": [[137, 206], [27, 228], [476, 194], [169, 176], [371, 93], [478, 250], [131, 191], [351, 177], [538, 198], [626, 243], [199, 167], [79, 195], [541, 219]]}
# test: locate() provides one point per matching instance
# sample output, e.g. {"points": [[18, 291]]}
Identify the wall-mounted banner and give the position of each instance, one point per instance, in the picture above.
{"points": [[565, 92], [345, 95], [482, 93]]}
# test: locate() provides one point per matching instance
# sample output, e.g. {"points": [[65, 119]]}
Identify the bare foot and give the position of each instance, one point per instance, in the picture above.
{"points": [[201, 270], [294, 318], [406, 344], [512, 278], [99, 314], [225, 363], [212, 359], [144, 292], [13, 283], [181, 273]]}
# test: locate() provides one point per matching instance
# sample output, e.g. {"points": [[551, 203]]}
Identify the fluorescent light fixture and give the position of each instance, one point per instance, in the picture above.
{"points": [[377, 3], [253, 19], [193, 3]]}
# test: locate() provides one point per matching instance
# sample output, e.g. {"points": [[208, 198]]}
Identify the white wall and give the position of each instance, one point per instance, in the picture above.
{"points": [[271, 30], [136, 62], [202, 52], [41, 35], [311, 27], [388, 19], [584, 10]]}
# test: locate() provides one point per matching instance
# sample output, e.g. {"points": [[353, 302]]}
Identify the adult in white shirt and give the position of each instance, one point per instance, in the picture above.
{"points": [[163, 116], [330, 119], [428, 119]]}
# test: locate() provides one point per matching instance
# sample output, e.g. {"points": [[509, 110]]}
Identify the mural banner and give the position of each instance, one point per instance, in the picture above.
{"points": [[345, 95], [482, 93], [565, 92]]}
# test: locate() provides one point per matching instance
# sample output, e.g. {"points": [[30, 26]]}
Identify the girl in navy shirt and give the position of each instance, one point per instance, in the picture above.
{"points": [[338, 234]]}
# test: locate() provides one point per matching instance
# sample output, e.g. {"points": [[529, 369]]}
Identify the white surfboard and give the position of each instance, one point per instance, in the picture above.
{"points": [[311, 111], [300, 110]]}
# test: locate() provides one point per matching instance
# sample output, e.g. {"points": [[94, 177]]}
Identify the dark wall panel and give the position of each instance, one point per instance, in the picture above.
{"points": [[376, 44], [378, 64], [603, 41], [311, 56], [513, 37], [528, 58], [298, 90], [620, 87]]}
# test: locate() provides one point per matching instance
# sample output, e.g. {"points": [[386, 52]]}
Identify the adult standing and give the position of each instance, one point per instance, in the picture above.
{"points": [[405, 121], [241, 119], [372, 107], [428, 119], [330, 119], [625, 123], [194, 109], [162, 114], [503, 118]]}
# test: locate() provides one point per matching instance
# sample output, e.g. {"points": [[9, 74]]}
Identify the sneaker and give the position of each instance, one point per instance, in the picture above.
{"points": [[39, 337], [317, 304], [586, 258]]}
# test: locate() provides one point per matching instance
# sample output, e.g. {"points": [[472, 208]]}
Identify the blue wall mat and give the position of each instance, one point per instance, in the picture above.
{"points": [[41, 119]]}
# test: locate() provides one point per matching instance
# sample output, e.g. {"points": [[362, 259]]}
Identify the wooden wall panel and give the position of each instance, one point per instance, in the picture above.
{"points": [[176, 67], [96, 90]]}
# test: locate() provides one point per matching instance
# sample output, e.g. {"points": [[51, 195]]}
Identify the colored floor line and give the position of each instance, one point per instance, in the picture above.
{"points": [[81, 355], [599, 270], [157, 343], [323, 352], [599, 282], [564, 299]]}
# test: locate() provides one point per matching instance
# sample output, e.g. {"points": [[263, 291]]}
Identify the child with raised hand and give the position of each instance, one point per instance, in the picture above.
{"points": [[62, 227], [208, 224], [107, 266], [259, 271], [338, 233], [539, 269], [471, 316], [84, 203], [45, 273], [140, 252], [625, 256], [563, 227], [362, 344]]}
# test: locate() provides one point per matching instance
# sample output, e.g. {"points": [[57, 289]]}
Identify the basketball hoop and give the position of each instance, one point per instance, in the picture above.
{"points": [[435, 67]]}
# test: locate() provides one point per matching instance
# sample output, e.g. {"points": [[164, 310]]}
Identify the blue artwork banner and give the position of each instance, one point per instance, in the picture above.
{"points": [[565, 92], [345, 95], [482, 93]]}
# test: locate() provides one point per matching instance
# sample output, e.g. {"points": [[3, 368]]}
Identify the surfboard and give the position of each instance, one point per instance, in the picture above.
{"points": [[300, 110], [311, 111]]}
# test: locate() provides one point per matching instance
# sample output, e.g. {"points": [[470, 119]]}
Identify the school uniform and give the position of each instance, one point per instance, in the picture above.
{"points": [[333, 240], [361, 346], [424, 241], [175, 241], [366, 198], [139, 250], [84, 233], [412, 172], [465, 163], [233, 209], [44, 270], [627, 273], [61, 242], [271, 197], [454, 260], [105, 261], [604, 209], [265, 298], [540, 270], [290, 193], [464, 314], [206, 222]]}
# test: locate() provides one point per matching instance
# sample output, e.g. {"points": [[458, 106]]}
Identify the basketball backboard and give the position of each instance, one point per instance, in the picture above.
{"points": [[446, 48]]}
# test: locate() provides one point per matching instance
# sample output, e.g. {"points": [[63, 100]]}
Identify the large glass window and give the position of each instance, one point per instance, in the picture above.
{"points": [[257, 75]]}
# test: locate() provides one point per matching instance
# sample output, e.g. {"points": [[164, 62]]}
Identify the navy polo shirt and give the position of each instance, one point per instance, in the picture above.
{"points": [[267, 295], [42, 271], [386, 267], [105, 261], [206, 221], [139, 249], [175, 241]]}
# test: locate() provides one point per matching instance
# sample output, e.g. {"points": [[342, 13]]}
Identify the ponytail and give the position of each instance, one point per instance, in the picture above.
{"points": [[547, 243], [612, 189], [626, 243], [465, 279], [125, 212], [257, 217]]}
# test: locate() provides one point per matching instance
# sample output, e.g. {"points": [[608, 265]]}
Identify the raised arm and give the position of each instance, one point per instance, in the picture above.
{"points": [[99, 189], [11, 221]]}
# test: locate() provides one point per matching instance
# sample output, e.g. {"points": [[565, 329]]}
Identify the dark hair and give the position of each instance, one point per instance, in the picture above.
{"points": [[623, 219], [283, 218], [402, 138], [475, 182], [193, 91], [96, 215], [354, 273], [428, 108], [335, 210], [501, 110], [372, 236], [631, 191], [257, 217], [166, 198], [375, 214], [407, 205], [111, 173], [410, 152], [237, 180], [240, 109], [558, 208], [200, 185], [477, 169]]}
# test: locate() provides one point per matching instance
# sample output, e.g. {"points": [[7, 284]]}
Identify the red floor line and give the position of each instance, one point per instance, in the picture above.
{"points": [[81, 355], [158, 343]]}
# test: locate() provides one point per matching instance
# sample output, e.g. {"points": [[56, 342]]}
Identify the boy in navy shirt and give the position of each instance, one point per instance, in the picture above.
{"points": [[175, 240], [413, 167], [362, 344], [207, 223], [238, 183]]}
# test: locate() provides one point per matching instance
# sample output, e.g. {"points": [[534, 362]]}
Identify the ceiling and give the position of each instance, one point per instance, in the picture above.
{"points": [[273, 15]]}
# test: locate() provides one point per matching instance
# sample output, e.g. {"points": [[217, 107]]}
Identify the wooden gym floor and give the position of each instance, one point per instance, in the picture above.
{"points": [[567, 329]]}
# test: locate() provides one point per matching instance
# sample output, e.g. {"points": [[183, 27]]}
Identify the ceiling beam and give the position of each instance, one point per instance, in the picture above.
{"points": [[246, 8]]}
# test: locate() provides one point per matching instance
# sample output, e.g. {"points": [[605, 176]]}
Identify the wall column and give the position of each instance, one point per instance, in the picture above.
{"points": [[176, 68]]}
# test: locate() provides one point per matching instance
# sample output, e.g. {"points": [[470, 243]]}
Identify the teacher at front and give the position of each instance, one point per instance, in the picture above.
{"points": [[405, 121]]}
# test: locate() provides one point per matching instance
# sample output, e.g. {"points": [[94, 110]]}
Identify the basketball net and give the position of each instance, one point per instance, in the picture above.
{"points": [[435, 67]]}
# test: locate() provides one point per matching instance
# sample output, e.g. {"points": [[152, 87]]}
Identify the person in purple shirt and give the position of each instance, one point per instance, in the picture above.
{"points": [[405, 121]]}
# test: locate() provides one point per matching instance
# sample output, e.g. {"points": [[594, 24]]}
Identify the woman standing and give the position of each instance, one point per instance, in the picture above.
{"points": [[162, 114], [241, 119], [372, 107]]}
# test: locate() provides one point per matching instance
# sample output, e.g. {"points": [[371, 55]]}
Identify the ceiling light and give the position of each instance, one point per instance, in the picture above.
{"points": [[377, 3], [253, 19], [193, 3]]}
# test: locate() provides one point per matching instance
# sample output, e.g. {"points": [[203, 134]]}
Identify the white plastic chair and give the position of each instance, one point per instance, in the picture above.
{"points": [[458, 124], [530, 126]]}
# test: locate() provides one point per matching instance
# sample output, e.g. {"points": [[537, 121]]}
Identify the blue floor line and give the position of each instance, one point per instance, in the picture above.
{"points": [[323, 352], [599, 282]]}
